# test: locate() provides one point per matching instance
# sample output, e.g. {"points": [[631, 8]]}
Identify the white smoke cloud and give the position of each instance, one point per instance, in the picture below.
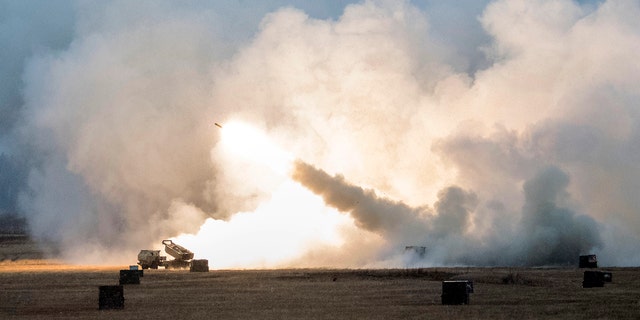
{"points": [[121, 110], [452, 139]]}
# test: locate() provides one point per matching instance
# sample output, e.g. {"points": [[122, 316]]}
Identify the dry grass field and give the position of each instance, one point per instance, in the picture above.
{"points": [[42, 289]]}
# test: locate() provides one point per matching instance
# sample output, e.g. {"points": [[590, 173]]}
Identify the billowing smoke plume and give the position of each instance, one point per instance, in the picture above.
{"points": [[489, 132], [554, 234], [546, 233]]}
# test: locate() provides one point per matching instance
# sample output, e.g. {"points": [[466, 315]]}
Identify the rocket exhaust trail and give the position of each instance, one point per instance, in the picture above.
{"points": [[371, 212]]}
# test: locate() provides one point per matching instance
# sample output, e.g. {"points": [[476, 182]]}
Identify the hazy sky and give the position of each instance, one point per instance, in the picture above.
{"points": [[490, 132]]}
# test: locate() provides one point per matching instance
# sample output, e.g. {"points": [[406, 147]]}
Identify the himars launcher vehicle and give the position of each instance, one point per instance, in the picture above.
{"points": [[152, 258]]}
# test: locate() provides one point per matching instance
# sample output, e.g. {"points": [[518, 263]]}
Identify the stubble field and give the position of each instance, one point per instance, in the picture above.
{"points": [[44, 289]]}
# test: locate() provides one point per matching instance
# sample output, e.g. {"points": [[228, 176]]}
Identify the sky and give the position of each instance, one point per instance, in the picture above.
{"points": [[488, 132]]}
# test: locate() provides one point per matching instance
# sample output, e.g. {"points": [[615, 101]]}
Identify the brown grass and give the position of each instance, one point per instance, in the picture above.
{"points": [[45, 289]]}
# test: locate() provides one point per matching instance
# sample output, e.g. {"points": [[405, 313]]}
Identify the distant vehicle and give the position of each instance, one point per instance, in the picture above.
{"points": [[588, 261]]}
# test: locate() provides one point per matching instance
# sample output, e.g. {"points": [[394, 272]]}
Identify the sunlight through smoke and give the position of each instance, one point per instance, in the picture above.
{"points": [[247, 142], [488, 133], [278, 231], [281, 228]]}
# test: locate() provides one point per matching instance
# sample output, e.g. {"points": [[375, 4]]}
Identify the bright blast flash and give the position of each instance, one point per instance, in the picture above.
{"points": [[249, 143], [280, 229], [276, 233]]}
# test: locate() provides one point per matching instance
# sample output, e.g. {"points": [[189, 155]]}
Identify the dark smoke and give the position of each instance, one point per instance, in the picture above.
{"points": [[547, 233], [371, 212], [553, 234]]}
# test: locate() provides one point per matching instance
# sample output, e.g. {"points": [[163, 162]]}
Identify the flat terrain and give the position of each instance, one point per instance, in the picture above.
{"points": [[43, 289], [36, 289]]}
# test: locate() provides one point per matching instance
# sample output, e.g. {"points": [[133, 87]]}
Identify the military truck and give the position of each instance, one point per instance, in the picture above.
{"points": [[152, 258]]}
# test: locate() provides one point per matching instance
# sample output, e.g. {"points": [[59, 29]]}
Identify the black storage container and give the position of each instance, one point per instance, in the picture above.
{"points": [[130, 276], [593, 279], [456, 291], [111, 297]]}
